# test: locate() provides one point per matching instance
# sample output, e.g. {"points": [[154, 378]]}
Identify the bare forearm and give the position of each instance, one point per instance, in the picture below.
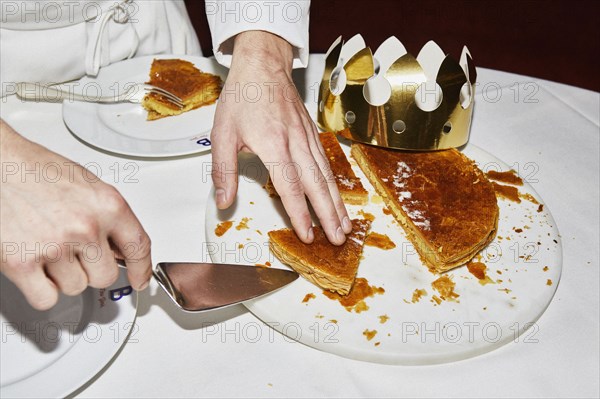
{"points": [[262, 49], [9, 140]]}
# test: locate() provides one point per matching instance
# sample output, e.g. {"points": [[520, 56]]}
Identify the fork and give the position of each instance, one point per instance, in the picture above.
{"points": [[133, 92]]}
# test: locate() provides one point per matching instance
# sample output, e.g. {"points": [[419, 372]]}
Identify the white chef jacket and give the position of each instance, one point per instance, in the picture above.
{"points": [[287, 19], [53, 41]]}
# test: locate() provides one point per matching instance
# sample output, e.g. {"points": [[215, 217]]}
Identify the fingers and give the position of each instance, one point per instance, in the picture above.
{"points": [[224, 171], [321, 159], [287, 181], [316, 188], [99, 264], [131, 242], [61, 269], [68, 276], [134, 244], [30, 279]]}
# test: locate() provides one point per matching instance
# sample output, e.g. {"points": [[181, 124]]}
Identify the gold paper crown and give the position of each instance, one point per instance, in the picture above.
{"points": [[395, 100]]}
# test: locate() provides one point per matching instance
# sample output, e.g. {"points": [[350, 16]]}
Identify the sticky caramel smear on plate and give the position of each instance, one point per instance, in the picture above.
{"points": [[370, 334], [508, 192], [366, 215], [243, 224], [445, 287], [308, 297], [509, 177], [512, 194], [383, 318], [548, 282], [386, 211], [223, 227], [381, 241], [355, 298], [478, 270]]}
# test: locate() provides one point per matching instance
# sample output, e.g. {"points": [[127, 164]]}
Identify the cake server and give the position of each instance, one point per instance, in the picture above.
{"points": [[199, 287]]}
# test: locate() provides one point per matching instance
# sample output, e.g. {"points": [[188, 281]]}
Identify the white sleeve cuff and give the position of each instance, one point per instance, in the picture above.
{"points": [[287, 19]]}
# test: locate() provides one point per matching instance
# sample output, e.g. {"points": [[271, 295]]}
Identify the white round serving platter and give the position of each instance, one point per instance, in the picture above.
{"points": [[52, 353], [122, 128], [524, 261]]}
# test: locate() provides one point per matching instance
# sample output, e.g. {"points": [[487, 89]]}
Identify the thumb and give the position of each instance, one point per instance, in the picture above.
{"points": [[224, 170]]}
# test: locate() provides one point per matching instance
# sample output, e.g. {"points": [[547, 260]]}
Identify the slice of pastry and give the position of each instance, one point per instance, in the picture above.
{"points": [[182, 78], [444, 202], [349, 185], [322, 263], [351, 189]]}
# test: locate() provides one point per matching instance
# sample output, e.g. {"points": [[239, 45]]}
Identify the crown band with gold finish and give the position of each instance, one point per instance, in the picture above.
{"points": [[408, 105]]}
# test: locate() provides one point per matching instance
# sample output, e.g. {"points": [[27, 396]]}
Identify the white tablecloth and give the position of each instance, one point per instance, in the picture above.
{"points": [[547, 131]]}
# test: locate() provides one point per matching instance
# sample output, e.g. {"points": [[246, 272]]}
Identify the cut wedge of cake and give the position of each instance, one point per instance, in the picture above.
{"points": [[326, 265], [181, 78], [349, 185], [445, 204]]}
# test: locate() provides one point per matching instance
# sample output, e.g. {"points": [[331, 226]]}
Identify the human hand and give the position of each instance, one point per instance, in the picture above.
{"points": [[64, 235], [275, 125]]}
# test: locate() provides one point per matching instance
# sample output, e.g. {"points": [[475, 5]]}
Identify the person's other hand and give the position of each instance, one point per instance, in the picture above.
{"points": [[260, 111], [63, 234]]}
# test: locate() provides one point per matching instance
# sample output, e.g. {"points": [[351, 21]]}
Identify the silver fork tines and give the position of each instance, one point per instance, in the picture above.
{"points": [[166, 94]]}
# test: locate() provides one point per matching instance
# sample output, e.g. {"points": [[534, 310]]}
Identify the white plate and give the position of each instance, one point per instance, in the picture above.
{"points": [[123, 129], [52, 353], [485, 316]]}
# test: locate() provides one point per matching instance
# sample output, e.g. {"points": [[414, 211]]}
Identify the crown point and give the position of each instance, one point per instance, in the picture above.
{"points": [[431, 57], [466, 62], [335, 43], [387, 53], [351, 47], [360, 67]]}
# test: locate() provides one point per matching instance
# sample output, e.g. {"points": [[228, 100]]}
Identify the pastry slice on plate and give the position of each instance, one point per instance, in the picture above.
{"points": [[445, 204], [181, 78], [351, 189], [349, 185], [326, 265]]}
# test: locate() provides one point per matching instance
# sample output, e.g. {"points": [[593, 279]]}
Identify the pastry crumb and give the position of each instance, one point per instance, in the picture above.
{"points": [[370, 334], [223, 227]]}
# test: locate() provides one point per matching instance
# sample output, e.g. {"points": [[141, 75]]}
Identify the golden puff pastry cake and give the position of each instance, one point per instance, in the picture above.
{"points": [[181, 78], [445, 204], [326, 265]]}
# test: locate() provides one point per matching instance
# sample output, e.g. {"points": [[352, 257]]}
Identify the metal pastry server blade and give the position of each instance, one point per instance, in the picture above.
{"points": [[198, 287]]}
